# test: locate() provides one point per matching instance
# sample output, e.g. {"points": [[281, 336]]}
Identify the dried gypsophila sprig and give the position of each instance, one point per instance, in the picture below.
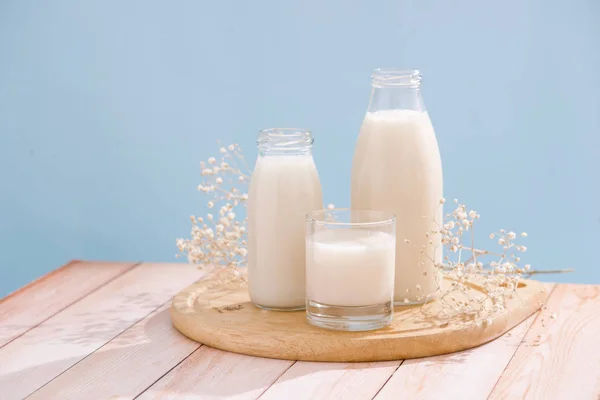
{"points": [[218, 242], [466, 267]]}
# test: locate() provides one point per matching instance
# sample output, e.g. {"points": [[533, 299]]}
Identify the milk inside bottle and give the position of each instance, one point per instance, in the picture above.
{"points": [[397, 168], [284, 188]]}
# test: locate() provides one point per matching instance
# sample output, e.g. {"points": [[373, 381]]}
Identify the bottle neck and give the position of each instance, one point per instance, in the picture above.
{"points": [[396, 89], [396, 98], [285, 142]]}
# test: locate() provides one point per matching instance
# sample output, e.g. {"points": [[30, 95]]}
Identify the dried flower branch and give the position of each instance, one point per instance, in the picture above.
{"points": [[218, 242]]}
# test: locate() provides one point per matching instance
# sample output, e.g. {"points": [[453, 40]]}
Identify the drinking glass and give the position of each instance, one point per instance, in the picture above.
{"points": [[350, 266]]}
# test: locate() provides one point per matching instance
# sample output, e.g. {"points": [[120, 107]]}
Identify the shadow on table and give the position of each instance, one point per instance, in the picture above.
{"points": [[151, 356]]}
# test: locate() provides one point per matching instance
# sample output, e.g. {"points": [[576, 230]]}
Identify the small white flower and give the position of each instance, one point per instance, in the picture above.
{"points": [[511, 235], [523, 249], [501, 241], [243, 252], [527, 267], [219, 180], [223, 150], [492, 236], [524, 234], [442, 200], [207, 171], [212, 160], [219, 228], [472, 214], [241, 178], [231, 147], [210, 204], [231, 216], [216, 170], [209, 217]]}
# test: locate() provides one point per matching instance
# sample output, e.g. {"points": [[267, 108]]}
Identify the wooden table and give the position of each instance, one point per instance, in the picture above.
{"points": [[96, 330]]}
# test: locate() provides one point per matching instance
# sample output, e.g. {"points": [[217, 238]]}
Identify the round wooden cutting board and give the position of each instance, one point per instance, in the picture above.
{"points": [[225, 319]]}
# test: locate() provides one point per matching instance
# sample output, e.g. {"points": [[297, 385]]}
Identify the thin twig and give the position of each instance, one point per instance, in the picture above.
{"points": [[549, 271]]}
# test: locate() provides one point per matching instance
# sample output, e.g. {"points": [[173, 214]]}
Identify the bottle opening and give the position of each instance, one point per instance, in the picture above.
{"points": [[285, 140], [390, 77]]}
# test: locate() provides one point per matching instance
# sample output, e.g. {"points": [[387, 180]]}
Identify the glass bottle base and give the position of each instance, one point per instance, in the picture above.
{"points": [[269, 308], [427, 299]]}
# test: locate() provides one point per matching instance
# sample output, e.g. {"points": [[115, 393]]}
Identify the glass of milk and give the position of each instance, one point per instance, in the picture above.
{"points": [[350, 266]]}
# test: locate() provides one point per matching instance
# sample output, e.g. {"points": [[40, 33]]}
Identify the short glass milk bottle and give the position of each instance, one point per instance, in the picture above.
{"points": [[397, 168], [284, 188]]}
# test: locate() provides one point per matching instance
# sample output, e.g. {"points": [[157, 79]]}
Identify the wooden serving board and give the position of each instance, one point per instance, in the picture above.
{"points": [[225, 319]]}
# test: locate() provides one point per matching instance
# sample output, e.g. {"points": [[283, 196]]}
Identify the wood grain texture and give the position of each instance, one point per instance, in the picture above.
{"points": [[44, 297], [214, 374], [52, 347], [344, 381], [560, 358], [232, 323], [478, 369], [142, 354]]}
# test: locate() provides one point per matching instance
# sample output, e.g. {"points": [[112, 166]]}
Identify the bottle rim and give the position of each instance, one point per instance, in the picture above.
{"points": [[285, 140], [396, 77]]}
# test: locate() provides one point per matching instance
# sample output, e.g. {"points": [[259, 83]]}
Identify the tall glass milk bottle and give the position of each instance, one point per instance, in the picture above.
{"points": [[397, 168], [284, 188]]}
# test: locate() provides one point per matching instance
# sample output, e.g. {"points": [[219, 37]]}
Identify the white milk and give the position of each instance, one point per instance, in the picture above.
{"points": [[397, 168], [284, 188], [350, 267]]}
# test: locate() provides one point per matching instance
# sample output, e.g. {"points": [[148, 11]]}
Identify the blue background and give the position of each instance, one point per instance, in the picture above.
{"points": [[107, 107]]}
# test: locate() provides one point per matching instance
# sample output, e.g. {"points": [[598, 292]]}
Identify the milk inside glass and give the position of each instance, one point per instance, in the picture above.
{"points": [[397, 168], [284, 188], [350, 267]]}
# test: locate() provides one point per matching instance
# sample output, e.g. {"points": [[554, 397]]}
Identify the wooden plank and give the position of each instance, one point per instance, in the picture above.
{"points": [[214, 374], [316, 380], [559, 359], [57, 344], [143, 353], [44, 297], [478, 369]]}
